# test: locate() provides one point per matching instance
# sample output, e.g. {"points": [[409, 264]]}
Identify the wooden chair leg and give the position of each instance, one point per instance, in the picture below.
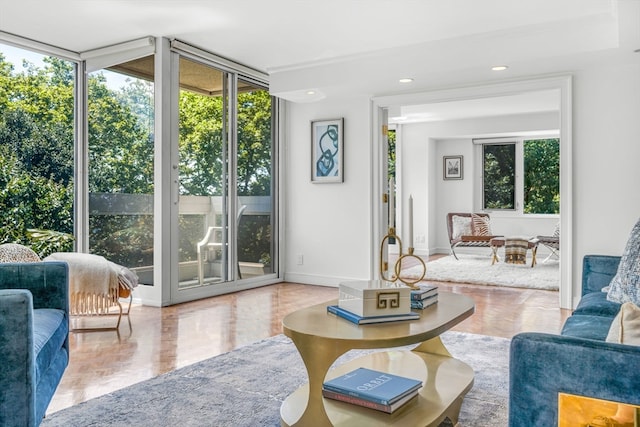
{"points": [[494, 255]]}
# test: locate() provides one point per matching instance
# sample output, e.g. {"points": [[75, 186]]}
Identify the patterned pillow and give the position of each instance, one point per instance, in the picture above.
{"points": [[13, 252], [625, 286], [461, 226], [556, 231], [481, 225]]}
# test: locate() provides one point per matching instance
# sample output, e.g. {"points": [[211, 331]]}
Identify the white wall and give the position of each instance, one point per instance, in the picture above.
{"points": [[413, 179], [328, 224], [606, 153], [606, 110]]}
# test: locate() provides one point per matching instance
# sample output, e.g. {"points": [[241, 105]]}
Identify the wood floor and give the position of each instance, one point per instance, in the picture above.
{"points": [[163, 339]]}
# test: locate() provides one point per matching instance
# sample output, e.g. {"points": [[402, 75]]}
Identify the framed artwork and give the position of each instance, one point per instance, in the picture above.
{"points": [[452, 167], [327, 151]]}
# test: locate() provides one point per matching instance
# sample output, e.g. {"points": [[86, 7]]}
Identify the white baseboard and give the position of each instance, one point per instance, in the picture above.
{"points": [[315, 279]]}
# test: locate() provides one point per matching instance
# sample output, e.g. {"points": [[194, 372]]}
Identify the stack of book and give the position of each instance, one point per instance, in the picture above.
{"points": [[372, 389], [362, 320], [424, 297]]}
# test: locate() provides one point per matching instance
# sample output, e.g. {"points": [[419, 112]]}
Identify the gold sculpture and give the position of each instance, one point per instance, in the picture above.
{"points": [[384, 266]]}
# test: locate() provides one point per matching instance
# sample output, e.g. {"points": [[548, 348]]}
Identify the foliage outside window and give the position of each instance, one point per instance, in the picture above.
{"points": [[542, 176], [537, 191], [203, 162], [499, 179], [391, 140], [36, 153], [121, 147]]}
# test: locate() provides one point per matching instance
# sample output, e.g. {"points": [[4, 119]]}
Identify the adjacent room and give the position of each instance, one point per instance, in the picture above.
{"points": [[226, 213]]}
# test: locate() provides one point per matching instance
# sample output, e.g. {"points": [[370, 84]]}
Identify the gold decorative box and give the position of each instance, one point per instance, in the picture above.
{"points": [[374, 298]]}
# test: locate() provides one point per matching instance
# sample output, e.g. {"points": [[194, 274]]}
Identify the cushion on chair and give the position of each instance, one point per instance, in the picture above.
{"points": [[13, 252], [625, 328], [50, 328], [481, 225], [587, 326], [625, 286], [461, 226], [597, 304]]}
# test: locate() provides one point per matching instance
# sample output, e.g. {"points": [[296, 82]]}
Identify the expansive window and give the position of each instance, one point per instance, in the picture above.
{"points": [[521, 175], [93, 180], [120, 162], [36, 150]]}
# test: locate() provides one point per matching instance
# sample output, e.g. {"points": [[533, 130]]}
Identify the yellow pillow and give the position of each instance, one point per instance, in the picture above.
{"points": [[625, 328]]}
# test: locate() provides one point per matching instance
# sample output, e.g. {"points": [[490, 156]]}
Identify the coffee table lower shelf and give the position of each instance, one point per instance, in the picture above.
{"points": [[446, 381]]}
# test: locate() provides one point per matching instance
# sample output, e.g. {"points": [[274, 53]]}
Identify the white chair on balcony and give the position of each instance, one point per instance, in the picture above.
{"points": [[213, 241]]}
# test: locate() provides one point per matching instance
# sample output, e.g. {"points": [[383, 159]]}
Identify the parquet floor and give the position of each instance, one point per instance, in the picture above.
{"points": [[163, 339]]}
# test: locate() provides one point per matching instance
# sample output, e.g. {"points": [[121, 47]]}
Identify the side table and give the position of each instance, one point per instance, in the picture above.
{"points": [[515, 249]]}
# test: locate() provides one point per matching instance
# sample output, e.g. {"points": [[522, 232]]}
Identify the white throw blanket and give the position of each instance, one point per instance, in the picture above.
{"points": [[94, 281]]}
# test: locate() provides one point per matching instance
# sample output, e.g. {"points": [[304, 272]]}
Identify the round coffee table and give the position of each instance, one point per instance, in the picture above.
{"points": [[321, 338]]}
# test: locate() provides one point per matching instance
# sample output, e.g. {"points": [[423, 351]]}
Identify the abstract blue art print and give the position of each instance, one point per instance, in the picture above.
{"points": [[327, 151]]}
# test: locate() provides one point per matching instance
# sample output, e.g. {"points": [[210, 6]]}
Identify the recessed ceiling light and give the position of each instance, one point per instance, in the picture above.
{"points": [[499, 68], [406, 80], [311, 92]]}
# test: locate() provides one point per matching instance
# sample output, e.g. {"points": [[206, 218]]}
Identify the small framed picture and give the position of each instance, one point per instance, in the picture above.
{"points": [[327, 151], [452, 167]]}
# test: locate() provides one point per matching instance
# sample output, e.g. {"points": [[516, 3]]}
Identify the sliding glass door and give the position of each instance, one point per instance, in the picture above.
{"points": [[226, 188], [203, 169], [254, 181]]}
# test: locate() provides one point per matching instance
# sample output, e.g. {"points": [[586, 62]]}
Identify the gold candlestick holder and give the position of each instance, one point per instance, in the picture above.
{"points": [[384, 266]]}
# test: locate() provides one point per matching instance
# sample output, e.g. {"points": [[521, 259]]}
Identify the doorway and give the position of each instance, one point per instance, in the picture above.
{"points": [[394, 103]]}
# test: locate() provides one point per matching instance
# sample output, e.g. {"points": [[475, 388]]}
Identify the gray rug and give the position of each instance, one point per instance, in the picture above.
{"points": [[246, 387]]}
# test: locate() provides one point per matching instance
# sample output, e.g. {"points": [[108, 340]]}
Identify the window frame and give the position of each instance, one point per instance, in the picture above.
{"points": [[518, 141]]}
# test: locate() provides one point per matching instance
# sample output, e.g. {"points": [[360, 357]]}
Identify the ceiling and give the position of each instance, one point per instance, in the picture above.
{"points": [[277, 34], [347, 47]]}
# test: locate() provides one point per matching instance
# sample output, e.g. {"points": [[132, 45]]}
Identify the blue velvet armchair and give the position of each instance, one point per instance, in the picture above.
{"points": [[34, 338], [579, 361]]}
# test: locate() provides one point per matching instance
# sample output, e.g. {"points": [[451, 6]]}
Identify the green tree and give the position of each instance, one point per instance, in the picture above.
{"points": [[30, 201], [542, 176], [201, 145], [499, 176], [391, 139], [120, 152], [254, 143], [36, 152]]}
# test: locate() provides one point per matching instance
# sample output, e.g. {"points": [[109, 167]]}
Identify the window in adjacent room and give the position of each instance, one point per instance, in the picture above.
{"points": [[521, 175]]}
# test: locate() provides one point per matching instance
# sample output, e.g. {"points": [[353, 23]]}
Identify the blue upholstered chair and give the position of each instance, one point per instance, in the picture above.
{"points": [[578, 361], [34, 338]]}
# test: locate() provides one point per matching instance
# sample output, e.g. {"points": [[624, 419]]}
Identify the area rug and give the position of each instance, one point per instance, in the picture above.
{"points": [[246, 387], [478, 270]]}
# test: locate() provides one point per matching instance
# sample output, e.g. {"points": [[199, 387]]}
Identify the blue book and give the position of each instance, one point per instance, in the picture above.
{"points": [[359, 320], [374, 386], [424, 292], [424, 303]]}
